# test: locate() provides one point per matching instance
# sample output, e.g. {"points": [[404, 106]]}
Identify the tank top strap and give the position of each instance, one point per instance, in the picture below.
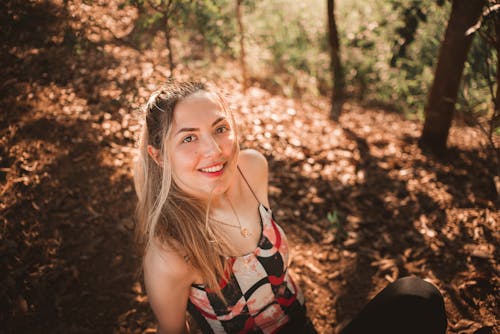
{"points": [[248, 184]]}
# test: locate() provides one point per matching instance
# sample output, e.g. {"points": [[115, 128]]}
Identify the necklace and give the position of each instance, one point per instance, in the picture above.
{"points": [[245, 233]]}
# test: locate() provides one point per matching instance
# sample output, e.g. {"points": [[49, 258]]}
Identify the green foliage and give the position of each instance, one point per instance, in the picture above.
{"points": [[333, 217], [376, 63], [474, 97], [389, 48], [478, 86], [286, 37], [209, 23], [336, 225], [150, 20]]}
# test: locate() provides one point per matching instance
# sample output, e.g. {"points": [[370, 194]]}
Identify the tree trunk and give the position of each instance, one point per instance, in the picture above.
{"points": [[497, 45], [242, 45], [168, 37], [453, 53], [335, 64]]}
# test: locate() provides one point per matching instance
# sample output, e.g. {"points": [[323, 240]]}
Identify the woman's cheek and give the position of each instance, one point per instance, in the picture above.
{"points": [[229, 143], [186, 156], [187, 150]]}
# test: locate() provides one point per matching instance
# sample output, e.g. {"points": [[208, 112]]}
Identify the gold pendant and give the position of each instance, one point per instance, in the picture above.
{"points": [[244, 232]]}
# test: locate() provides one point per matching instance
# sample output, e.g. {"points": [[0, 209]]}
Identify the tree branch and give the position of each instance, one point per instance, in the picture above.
{"points": [[486, 12], [155, 6]]}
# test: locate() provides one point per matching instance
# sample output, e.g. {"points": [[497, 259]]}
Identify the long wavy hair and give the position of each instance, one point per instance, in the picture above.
{"points": [[165, 213]]}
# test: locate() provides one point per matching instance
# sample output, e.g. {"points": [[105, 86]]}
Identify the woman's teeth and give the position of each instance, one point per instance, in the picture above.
{"points": [[212, 169]]}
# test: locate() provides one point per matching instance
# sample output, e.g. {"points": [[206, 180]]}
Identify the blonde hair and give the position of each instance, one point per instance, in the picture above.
{"points": [[164, 212]]}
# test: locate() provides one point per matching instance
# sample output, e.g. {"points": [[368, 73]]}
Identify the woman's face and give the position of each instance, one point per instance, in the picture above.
{"points": [[202, 146]]}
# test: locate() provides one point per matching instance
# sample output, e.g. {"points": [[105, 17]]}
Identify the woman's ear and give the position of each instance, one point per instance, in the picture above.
{"points": [[154, 153]]}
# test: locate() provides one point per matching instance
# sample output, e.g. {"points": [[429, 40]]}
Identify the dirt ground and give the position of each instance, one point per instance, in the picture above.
{"points": [[361, 204]]}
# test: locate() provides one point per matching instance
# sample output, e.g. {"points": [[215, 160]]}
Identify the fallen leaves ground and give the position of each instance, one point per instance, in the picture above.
{"points": [[361, 204]]}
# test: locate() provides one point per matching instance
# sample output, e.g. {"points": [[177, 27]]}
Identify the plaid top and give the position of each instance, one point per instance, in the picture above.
{"points": [[261, 297]]}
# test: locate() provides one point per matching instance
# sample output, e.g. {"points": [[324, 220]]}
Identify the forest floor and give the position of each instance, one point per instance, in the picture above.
{"points": [[72, 87]]}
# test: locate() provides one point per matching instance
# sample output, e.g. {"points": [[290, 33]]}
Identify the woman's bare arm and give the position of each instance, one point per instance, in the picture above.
{"points": [[168, 279]]}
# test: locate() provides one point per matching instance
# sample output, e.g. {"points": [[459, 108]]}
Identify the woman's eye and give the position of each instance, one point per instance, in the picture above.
{"points": [[188, 139], [222, 129]]}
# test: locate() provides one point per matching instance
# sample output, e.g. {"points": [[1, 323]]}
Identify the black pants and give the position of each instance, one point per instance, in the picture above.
{"points": [[409, 305]]}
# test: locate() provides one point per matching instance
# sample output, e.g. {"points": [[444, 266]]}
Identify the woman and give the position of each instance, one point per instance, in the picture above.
{"points": [[209, 242], [207, 236]]}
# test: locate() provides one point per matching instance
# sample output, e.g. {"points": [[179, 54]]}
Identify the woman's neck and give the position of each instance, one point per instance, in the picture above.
{"points": [[223, 201]]}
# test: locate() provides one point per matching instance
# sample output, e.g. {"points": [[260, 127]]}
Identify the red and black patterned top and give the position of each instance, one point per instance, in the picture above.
{"points": [[261, 297]]}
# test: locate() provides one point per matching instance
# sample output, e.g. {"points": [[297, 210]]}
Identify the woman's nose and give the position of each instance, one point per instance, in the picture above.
{"points": [[211, 147]]}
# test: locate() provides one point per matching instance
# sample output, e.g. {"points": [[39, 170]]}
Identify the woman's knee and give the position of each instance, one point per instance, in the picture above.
{"points": [[409, 305], [416, 288], [423, 300]]}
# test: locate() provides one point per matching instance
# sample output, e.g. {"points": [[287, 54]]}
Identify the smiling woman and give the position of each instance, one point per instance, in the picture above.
{"points": [[209, 242], [208, 239]]}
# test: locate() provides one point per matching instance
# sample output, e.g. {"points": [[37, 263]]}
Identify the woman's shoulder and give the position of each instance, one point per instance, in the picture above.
{"points": [[163, 262], [253, 161], [254, 167]]}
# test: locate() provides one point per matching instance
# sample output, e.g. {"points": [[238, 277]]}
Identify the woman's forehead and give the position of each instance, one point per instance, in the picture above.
{"points": [[198, 108], [201, 95], [200, 102]]}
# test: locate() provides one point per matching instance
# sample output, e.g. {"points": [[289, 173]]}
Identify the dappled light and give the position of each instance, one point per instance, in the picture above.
{"points": [[362, 205]]}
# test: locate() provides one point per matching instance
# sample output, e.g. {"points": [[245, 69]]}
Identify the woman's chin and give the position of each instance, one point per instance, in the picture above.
{"points": [[219, 190]]}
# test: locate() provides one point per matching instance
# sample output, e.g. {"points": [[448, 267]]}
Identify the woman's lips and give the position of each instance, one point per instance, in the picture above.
{"points": [[213, 170]]}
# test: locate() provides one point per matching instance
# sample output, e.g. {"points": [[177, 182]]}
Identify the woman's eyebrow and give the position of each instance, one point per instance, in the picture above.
{"points": [[218, 120], [186, 130], [197, 129]]}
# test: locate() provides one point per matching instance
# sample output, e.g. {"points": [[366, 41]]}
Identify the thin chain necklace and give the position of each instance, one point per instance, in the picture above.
{"points": [[245, 233]]}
